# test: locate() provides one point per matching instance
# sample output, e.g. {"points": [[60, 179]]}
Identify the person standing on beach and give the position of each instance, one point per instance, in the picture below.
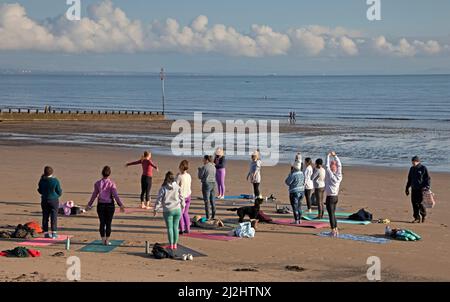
{"points": [[50, 190], [419, 181], [309, 185], [146, 178], [184, 180], [170, 199], [106, 192], [318, 178], [254, 174], [207, 175], [295, 181], [219, 161], [333, 179]]}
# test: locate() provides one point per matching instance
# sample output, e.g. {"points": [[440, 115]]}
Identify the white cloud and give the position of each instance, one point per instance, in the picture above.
{"points": [[107, 29]]}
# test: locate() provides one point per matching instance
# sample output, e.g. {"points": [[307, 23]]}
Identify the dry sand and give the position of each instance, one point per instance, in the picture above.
{"points": [[274, 247]]}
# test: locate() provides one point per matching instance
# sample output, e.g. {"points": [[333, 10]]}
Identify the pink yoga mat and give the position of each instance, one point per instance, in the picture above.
{"points": [[134, 210], [219, 237], [44, 241], [304, 224]]}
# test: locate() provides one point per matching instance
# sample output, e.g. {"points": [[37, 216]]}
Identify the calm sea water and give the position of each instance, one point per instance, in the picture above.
{"points": [[375, 120]]}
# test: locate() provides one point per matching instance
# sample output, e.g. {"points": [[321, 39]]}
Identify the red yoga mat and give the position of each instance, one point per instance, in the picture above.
{"points": [[44, 241], [210, 236], [304, 224]]}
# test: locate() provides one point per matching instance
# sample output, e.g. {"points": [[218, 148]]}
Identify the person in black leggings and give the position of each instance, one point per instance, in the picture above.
{"points": [[50, 190], [106, 191]]}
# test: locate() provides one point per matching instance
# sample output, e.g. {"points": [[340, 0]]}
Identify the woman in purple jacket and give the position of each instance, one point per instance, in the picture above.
{"points": [[106, 191], [219, 161]]}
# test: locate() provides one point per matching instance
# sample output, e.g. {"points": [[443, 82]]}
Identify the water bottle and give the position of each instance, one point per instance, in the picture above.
{"points": [[147, 247], [387, 230], [68, 243]]}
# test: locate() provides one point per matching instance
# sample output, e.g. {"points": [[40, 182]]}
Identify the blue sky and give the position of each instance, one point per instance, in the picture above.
{"points": [[425, 26]]}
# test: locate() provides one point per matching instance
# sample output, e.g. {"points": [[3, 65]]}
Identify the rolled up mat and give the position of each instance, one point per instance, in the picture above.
{"points": [[363, 238], [97, 246], [210, 236], [45, 241], [347, 221], [304, 224]]}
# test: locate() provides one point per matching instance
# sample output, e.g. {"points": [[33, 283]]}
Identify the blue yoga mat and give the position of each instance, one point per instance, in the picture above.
{"points": [[97, 246], [234, 197], [369, 239], [347, 221]]}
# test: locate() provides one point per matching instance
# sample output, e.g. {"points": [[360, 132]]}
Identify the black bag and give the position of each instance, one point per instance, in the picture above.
{"points": [[159, 252], [361, 215]]}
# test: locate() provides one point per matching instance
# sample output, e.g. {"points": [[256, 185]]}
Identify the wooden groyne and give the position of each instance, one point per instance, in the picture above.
{"points": [[78, 115]]}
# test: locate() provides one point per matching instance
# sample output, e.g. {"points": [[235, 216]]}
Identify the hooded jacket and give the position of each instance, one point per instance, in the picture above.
{"points": [[169, 198]]}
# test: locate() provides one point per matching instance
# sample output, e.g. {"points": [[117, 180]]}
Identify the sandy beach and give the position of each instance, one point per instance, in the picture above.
{"points": [[380, 190]]}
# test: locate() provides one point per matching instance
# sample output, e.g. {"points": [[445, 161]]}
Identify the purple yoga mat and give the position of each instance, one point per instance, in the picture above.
{"points": [[210, 236], [304, 224]]}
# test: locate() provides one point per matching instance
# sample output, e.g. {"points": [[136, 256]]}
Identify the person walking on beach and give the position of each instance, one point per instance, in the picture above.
{"points": [[254, 174], [170, 199], [184, 180], [50, 189], [219, 161], [295, 181], [318, 179], [419, 181], [207, 175], [105, 191], [333, 178], [146, 178], [309, 185]]}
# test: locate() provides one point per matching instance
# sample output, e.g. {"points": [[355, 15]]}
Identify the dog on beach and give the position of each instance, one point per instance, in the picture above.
{"points": [[250, 211]]}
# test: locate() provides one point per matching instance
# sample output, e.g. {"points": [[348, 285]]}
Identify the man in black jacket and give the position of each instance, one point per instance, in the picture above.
{"points": [[418, 181]]}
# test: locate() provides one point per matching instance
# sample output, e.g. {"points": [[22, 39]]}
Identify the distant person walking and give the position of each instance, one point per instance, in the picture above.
{"points": [[184, 180], [146, 178], [50, 190], [333, 178], [254, 173], [295, 181], [418, 180], [309, 185], [170, 199], [207, 174], [105, 191], [318, 179], [220, 162]]}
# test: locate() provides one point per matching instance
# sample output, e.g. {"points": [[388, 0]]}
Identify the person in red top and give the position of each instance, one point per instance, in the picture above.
{"points": [[146, 179]]}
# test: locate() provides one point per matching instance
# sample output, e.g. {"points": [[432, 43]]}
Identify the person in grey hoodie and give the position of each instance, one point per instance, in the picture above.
{"points": [[296, 183], [207, 175], [172, 202]]}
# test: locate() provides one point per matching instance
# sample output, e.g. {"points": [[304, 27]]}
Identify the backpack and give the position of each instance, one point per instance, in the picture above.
{"points": [[361, 215], [159, 252]]}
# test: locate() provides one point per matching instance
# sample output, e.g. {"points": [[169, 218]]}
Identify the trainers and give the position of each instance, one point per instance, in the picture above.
{"points": [[54, 235], [190, 257], [416, 221], [47, 235], [423, 219]]}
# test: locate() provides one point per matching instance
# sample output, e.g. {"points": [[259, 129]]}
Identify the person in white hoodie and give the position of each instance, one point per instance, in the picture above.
{"points": [[333, 180], [172, 202], [319, 186], [309, 185]]}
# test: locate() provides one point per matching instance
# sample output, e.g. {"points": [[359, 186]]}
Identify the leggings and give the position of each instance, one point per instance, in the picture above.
{"points": [[331, 203], [208, 192], [185, 221], [308, 194], [146, 186], [318, 193], [105, 213], [220, 179], [256, 189], [49, 211], [172, 219]]}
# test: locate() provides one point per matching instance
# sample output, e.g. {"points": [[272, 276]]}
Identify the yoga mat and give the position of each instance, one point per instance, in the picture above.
{"points": [[304, 224], [133, 210], [97, 246], [363, 238], [210, 236], [338, 214], [181, 249], [347, 221], [45, 241], [233, 197]]}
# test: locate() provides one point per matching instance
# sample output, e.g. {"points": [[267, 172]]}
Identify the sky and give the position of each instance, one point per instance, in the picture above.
{"points": [[227, 37]]}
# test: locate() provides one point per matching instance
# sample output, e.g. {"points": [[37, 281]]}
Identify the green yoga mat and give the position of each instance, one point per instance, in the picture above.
{"points": [[339, 220], [97, 246], [338, 214]]}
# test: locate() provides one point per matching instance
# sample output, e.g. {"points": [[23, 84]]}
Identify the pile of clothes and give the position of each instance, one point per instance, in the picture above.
{"points": [[69, 208], [20, 252], [244, 230], [402, 234], [23, 231]]}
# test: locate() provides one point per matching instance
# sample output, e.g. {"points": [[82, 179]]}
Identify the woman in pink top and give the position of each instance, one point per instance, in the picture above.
{"points": [[146, 179], [106, 191]]}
